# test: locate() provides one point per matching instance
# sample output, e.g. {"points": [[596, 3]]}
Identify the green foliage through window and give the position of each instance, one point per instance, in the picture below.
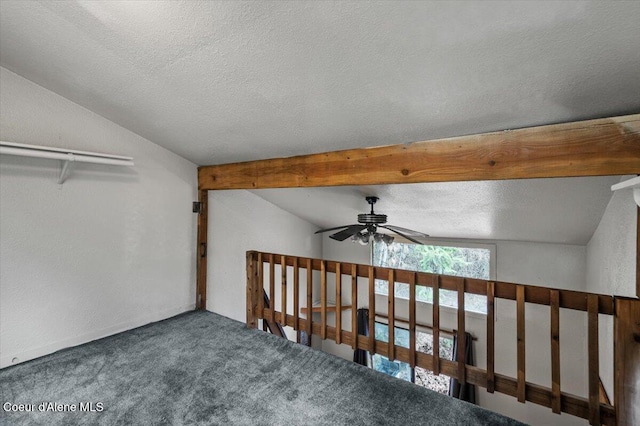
{"points": [[456, 261]]}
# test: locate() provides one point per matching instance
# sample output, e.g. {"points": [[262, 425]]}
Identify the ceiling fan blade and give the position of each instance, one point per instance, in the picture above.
{"points": [[401, 234], [350, 231], [333, 229], [406, 231]]}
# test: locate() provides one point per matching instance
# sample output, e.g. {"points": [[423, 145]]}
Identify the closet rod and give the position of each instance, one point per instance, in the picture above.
{"points": [[36, 151]]}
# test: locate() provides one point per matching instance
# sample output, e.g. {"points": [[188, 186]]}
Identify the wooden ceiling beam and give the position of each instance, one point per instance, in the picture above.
{"points": [[608, 146]]}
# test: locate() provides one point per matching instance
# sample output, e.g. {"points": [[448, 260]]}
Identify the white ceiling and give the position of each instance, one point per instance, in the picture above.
{"points": [[219, 82], [564, 211]]}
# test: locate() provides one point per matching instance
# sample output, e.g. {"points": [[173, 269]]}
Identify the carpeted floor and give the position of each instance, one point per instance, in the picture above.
{"points": [[201, 368]]}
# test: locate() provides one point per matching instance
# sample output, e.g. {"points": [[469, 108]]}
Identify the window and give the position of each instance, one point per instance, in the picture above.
{"points": [[463, 261], [398, 369], [402, 370]]}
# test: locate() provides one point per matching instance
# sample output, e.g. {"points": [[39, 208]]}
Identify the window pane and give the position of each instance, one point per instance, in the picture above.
{"points": [[424, 343], [398, 369], [426, 378], [456, 261], [401, 336]]}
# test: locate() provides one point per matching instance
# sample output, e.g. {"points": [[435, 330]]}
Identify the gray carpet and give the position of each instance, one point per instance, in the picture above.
{"points": [[201, 368]]}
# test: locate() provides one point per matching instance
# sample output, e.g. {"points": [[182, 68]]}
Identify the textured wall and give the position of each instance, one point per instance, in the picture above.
{"points": [[240, 221], [611, 252], [111, 249]]}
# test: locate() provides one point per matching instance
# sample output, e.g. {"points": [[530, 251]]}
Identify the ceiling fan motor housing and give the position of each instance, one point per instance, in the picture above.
{"points": [[372, 218]]}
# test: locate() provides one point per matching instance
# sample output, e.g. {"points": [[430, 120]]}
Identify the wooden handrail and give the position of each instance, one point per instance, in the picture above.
{"points": [[569, 299], [594, 304]]}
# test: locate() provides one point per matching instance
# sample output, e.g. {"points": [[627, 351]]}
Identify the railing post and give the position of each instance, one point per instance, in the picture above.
{"points": [[252, 289], [201, 251], [491, 335], [372, 311], [626, 360], [309, 329], [338, 303], [283, 292], [556, 393], [436, 325], [354, 306], [593, 359], [391, 315]]}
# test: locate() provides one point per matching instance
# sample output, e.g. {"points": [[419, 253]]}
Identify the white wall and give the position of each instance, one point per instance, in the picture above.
{"points": [[611, 252], [240, 221], [550, 265], [111, 249], [611, 267]]}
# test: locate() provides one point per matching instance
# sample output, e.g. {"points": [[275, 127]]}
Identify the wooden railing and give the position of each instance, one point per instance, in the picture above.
{"points": [[593, 304]]}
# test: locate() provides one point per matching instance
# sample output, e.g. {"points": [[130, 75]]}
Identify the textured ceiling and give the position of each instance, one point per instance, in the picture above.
{"points": [[221, 81], [564, 211], [218, 82]]}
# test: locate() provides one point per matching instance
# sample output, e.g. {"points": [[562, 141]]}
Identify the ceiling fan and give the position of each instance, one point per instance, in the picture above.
{"points": [[367, 227]]}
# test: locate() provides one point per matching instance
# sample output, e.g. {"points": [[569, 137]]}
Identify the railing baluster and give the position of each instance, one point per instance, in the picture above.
{"points": [[272, 289], [491, 335], [436, 324], [372, 311], [252, 290], [338, 303], [520, 299], [594, 362], [261, 287], [309, 301], [283, 294], [354, 306], [412, 320], [323, 299], [462, 338], [556, 397], [296, 298], [391, 315]]}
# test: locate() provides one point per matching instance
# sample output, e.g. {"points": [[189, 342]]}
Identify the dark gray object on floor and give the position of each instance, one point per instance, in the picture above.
{"points": [[202, 368]]}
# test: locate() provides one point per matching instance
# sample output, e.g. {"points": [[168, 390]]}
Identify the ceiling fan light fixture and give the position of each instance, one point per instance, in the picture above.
{"points": [[383, 238]]}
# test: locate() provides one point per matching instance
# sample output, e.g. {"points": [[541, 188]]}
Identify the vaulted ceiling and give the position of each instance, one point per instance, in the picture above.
{"points": [[219, 82], [560, 210]]}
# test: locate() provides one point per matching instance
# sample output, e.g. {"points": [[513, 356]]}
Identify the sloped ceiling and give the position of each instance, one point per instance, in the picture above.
{"points": [[219, 82], [564, 211]]}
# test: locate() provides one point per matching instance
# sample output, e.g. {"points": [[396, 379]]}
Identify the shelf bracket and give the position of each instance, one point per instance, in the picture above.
{"points": [[65, 168], [634, 184]]}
